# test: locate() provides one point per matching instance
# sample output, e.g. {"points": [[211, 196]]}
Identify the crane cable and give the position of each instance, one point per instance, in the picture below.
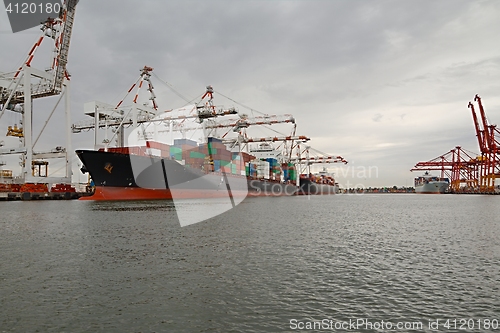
{"points": [[175, 91], [246, 107]]}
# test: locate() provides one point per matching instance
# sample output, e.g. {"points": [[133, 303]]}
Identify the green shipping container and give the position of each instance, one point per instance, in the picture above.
{"points": [[224, 163], [233, 169], [178, 156], [195, 154], [175, 150]]}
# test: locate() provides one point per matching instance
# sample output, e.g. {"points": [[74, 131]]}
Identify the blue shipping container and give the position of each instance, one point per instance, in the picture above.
{"points": [[211, 139], [272, 161]]}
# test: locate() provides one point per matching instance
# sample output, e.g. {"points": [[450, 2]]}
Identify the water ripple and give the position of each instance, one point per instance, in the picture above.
{"points": [[130, 267]]}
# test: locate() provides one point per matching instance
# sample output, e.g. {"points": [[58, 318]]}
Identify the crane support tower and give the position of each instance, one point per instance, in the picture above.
{"points": [[489, 160], [18, 89]]}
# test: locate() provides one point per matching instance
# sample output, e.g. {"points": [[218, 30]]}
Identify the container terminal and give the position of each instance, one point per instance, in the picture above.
{"points": [[469, 172], [20, 89]]}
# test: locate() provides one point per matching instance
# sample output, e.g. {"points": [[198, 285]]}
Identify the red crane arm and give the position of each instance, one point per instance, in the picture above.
{"points": [[479, 132], [487, 138]]}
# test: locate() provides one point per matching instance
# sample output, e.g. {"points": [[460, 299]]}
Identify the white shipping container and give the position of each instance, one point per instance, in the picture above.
{"points": [[153, 152], [261, 163], [263, 169], [264, 175]]}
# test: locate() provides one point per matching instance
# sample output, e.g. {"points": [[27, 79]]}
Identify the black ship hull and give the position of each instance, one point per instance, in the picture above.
{"points": [[308, 187], [119, 176]]}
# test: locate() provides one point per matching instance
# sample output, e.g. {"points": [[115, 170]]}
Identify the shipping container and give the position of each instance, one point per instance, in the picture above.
{"points": [[263, 169], [180, 142], [219, 146], [157, 145], [153, 152], [216, 165], [272, 161], [214, 140], [196, 154], [211, 151], [247, 157], [175, 149]]}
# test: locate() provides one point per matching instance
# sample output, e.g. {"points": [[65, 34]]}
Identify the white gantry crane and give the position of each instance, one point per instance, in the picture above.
{"points": [[18, 90], [203, 114]]}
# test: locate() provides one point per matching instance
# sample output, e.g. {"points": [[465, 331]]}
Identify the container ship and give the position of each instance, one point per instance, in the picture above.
{"points": [[185, 169], [321, 183], [431, 184], [188, 169]]}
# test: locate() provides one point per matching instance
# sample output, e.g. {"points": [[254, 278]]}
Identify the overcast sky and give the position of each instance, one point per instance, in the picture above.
{"points": [[385, 84]]}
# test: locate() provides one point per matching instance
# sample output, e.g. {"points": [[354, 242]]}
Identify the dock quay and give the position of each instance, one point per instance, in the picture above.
{"points": [[27, 196]]}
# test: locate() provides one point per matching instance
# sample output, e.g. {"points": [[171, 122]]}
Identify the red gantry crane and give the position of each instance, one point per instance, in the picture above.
{"points": [[489, 161], [459, 165], [469, 172]]}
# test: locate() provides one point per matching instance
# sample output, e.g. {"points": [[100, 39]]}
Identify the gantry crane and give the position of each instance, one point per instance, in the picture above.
{"points": [[204, 112], [307, 156], [489, 161], [459, 165], [18, 89], [470, 172], [120, 115]]}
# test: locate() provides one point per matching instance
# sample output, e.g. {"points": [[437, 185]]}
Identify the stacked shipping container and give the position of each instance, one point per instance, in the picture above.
{"points": [[215, 157]]}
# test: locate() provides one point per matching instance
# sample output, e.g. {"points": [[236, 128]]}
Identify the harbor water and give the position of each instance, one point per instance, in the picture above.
{"points": [[269, 265]]}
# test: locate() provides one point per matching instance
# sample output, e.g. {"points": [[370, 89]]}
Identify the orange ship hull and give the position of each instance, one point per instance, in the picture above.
{"points": [[137, 193]]}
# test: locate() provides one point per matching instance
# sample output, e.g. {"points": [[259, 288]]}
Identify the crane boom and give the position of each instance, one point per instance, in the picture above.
{"points": [[477, 126], [48, 82], [319, 159], [487, 139], [68, 17], [245, 122], [269, 139]]}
